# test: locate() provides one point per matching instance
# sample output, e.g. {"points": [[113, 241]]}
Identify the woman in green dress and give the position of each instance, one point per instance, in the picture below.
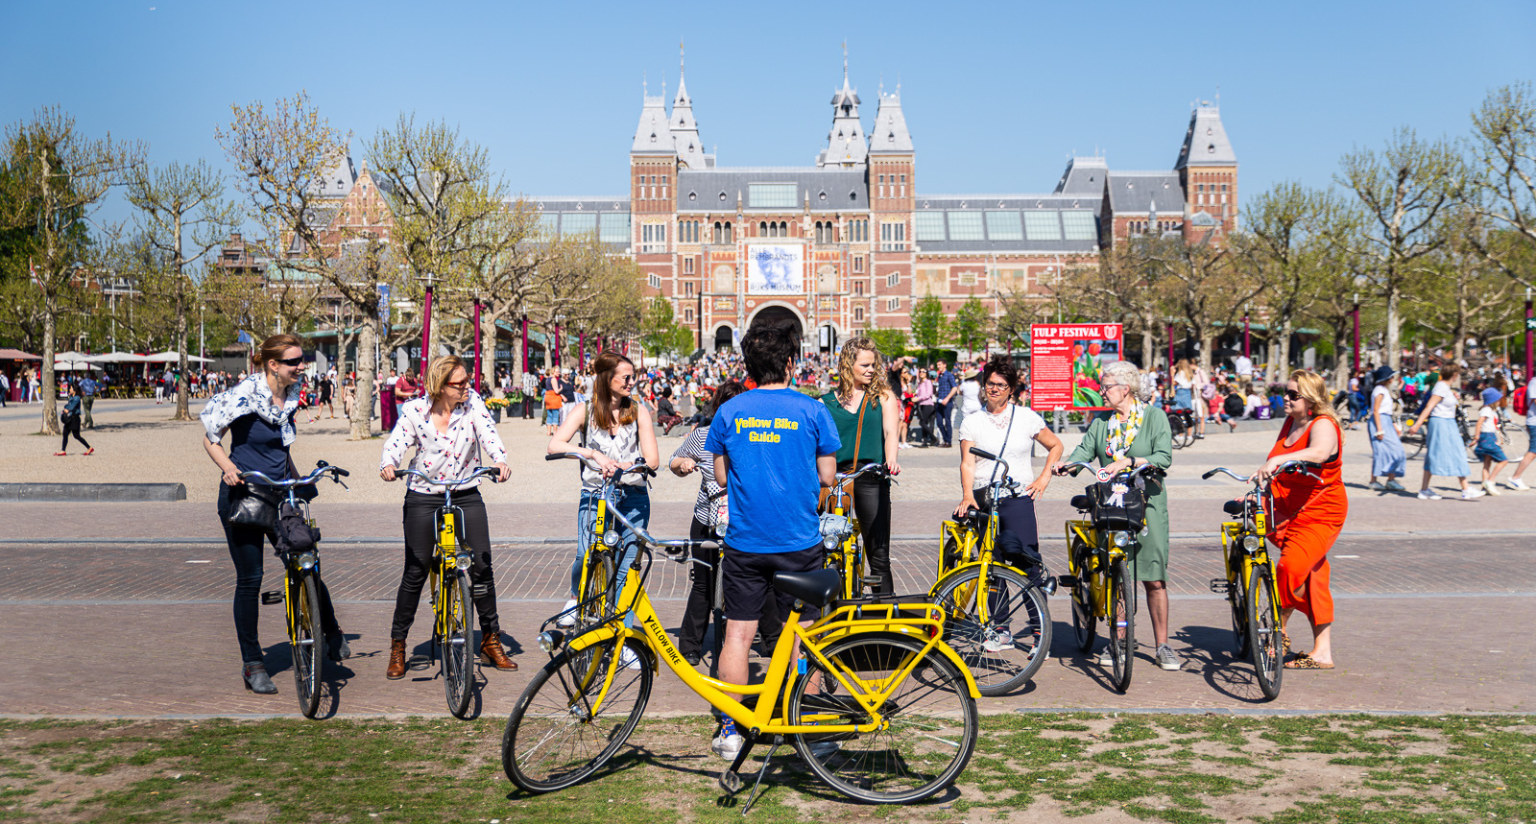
{"points": [[1137, 434], [862, 391]]}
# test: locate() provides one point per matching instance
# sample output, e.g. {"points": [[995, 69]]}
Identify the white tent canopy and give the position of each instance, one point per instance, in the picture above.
{"points": [[71, 361], [119, 357], [170, 356]]}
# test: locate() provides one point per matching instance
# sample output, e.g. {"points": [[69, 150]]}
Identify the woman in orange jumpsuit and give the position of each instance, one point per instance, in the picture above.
{"points": [[1308, 513]]}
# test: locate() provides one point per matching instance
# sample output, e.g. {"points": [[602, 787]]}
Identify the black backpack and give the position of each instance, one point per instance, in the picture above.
{"points": [[1233, 405]]}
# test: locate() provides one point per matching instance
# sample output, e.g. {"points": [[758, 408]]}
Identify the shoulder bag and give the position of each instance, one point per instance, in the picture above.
{"points": [[829, 500], [253, 506]]}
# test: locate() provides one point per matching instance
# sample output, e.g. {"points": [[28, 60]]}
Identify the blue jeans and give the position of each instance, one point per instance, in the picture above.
{"points": [[635, 503]]}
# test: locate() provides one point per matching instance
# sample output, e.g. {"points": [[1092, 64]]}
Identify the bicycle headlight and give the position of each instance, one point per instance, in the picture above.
{"points": [[1252, 543], [308, 561], [462, 561], [611, 538], [551, 640], [1122, 539]]}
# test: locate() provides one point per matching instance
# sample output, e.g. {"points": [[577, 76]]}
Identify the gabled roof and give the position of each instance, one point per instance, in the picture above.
{"points": [[1138, 192], [890, 133], [717, 190], [1085, 176], [685, 131], [845, 140], [337, 177], [1205, 142], [653, 135]]}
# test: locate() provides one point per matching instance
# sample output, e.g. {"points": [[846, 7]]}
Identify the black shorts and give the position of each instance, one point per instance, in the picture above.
{"points": [[747, 580]]}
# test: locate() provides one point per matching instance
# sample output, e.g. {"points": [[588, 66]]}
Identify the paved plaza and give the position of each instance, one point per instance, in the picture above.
{"points": [[1433, 598]]}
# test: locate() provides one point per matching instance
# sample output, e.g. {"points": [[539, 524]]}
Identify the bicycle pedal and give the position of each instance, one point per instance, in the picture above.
{"points": [[730, 781], [1066, 581], [871, 581], [273, 597], [1221, 586]]}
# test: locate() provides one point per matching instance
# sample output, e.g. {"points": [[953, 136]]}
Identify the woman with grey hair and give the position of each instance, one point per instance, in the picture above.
{"points": [[1136, 434]]}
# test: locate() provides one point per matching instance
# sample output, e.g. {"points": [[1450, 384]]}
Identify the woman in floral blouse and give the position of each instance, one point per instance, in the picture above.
{"points": [[451, 430]]}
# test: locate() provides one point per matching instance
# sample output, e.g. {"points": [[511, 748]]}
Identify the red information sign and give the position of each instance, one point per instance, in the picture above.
{"points": [[1066, 361]]}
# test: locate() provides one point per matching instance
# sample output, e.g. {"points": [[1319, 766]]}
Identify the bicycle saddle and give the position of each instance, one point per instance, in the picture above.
{"points": [[815, 588], [1081, 503], [1233, 508]]}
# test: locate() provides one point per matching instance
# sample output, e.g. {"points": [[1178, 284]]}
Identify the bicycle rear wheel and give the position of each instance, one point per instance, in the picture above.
{"points": [[1264, 638], [558, 734], [1122, 624], [308, 642], [1237, 599], [1008, 648], [930, 720], [1085, 617], [458, 644]]}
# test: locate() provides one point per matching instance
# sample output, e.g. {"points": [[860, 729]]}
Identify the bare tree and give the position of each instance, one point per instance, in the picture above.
{"points": [[281, 154], [1461, 291], [1122, 289], [1403, 188], [55, 177], [1500, 185], [182, 217]]}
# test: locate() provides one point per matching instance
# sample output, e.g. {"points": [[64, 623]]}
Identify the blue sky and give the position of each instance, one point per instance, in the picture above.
{"points": [[996, 95]]}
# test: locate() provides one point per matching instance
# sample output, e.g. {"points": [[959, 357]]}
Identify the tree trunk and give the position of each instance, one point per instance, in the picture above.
{"points": [[1394, 330], [1147, 352], [1207, 346], [1281, 362], [50, 383], [1343, 357], [487, 351], [1459, 327], [362, 405]]}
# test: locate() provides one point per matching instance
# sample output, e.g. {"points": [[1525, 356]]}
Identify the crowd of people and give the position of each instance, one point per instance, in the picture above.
{"points": [[767, 429]]}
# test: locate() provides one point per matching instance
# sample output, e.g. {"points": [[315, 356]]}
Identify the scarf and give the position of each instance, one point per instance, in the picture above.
{"points": [[1122, 432], [251, 396]]}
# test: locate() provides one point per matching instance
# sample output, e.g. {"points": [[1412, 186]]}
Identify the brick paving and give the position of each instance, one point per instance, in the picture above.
{"points": [[1431, 611]]}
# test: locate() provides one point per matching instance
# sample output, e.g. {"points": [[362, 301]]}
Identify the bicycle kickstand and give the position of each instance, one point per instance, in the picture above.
{"points": [[735, 775]]}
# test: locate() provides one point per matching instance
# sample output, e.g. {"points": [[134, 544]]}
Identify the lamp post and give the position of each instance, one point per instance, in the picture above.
{"points": [[1530, 333], [1170, 349], [476, 313], [525, 344], [581, 351], [1247, 338], [426, 322], [1356, 312]]}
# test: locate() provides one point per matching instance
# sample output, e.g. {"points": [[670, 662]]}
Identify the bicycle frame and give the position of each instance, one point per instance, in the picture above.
{"points": [[976, 546], [846, 557], [1100, 559]]}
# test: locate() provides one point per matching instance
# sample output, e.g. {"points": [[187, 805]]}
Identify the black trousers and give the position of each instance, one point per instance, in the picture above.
{"points": [[71, 427], [245, 550], [872, 505], [925, 420], [421, 539], [1019, 542], [701, 599]]}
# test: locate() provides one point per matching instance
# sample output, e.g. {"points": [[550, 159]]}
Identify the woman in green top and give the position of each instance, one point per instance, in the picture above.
{"points": [[861, 387], [1137, 434]]}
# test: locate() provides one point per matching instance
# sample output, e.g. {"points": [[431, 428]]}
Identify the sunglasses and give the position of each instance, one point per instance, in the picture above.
{"points": [[463, 384], [298, 361], [1292, 395]]}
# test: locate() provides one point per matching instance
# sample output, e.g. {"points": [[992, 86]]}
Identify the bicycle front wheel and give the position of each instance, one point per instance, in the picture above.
{"points": [[929, 720], [1085, 618], [308, 642], [458, 644], [1265, 644], [596, 595], [1237, 599], [1008, 648], [1122, 624], [565, 725]]}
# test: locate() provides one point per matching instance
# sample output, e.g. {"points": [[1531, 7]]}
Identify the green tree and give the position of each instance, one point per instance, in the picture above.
{"points": [[54, 176], [892, 343], [929, 324], [660, 333], [1500, 185], [970, 326]]}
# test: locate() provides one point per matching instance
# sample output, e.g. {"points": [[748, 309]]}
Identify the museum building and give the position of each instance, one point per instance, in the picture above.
{"points": [[851, 242]]}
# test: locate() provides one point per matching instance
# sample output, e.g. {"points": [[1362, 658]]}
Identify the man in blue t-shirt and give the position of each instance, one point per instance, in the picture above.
{"points": [[774, 449], [944, 393]]}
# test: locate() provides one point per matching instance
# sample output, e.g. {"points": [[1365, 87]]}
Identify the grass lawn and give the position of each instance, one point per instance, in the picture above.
{"points": [[1039, 768]]}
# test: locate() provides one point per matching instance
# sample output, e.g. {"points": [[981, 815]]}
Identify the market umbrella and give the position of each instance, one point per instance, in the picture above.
{"points": [[172, 356], [119, 357], [17, 354], [72, 361]]}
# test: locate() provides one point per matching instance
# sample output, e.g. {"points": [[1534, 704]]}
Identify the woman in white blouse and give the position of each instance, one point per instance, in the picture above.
{"points": [[452, 432], [1007, 430]]}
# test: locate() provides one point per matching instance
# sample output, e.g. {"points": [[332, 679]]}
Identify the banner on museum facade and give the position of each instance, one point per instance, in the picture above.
{"points": [[775, 269], [1066, 363]]}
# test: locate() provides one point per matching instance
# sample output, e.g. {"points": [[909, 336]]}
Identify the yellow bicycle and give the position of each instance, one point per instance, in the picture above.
{"points": [[1250, 580], [846, 551], [997, 619], [596, 594], [1100, 552], [453, 633], [878, 706]]}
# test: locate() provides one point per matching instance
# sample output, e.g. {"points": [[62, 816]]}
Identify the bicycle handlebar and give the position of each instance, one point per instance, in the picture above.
{"points": [[875, 467], [1145, 469], [321, 469], [486, 471], [641, 468]]}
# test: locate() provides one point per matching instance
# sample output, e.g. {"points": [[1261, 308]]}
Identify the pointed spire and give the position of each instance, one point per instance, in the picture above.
{"points": [[683, 126], [652, 136], [845, 140]]}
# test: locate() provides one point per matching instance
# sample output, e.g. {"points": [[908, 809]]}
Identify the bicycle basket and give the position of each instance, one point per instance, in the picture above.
{"points": [[1117, 505]]}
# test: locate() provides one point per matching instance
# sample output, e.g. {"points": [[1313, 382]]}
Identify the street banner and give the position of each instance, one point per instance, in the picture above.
{"points": [[1066, 362]]}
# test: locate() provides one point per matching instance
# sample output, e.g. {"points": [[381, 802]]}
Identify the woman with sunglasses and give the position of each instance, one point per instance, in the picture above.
{"points": [[1136, 434], [258, 414], [451, 430], [1009, 431], [616, 433], [1309, 512]]}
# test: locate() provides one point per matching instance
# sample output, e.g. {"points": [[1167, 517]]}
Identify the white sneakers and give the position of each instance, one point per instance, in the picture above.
{"points": [[569, 619], [998, 640], [1472, 493], [1376, 486], [1491, 488], [1428, 495], [727, 746], [629, 659], [1516, 483], [1394, 486]]}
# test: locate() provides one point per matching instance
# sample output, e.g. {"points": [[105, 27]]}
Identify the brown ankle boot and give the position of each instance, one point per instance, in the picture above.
{"points": [[396, 669], [492, 653]]}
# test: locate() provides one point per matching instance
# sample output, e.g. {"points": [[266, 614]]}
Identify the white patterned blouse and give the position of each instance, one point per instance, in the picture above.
{"points": [[444, 456]]}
